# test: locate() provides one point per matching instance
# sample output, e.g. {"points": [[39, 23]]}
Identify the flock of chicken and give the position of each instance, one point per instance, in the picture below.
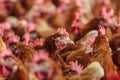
{"points": [[59, 40]]}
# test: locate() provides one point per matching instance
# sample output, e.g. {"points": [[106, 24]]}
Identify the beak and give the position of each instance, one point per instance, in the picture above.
{"points": [[69, 41]]}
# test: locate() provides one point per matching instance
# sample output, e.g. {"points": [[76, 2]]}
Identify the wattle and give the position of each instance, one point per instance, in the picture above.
{"points": [[39, 75], [3, 71], [75, 30]]}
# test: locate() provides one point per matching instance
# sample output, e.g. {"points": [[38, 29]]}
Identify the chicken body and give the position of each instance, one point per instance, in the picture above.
{"points": [[94, 71], [102, 54]]}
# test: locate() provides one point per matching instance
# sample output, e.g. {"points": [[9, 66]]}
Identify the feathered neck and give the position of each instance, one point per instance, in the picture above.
{"points": [[49, 43]]}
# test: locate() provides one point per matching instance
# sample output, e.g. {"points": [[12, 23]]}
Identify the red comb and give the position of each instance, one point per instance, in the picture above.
{"points": [[101, 29], [62, 31], [14, 38], [38, 42], [75, 66]]}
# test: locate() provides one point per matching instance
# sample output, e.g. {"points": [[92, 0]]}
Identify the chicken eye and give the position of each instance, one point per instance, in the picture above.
{"points": [[9, 59], [61, 37]]}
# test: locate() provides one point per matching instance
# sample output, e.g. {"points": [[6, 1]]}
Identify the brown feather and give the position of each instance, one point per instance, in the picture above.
{"points": [[25, 53]]}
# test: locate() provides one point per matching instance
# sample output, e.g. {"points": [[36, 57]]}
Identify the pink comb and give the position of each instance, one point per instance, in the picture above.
{"points": [[101, 29], [5, 26], [62, 31], [14, 38], [75, 66], [38, 42], [30, 27]]}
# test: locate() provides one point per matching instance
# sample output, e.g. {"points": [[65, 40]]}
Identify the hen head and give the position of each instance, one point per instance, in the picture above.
{"points": [[63, 39], [58, 41], [8, 63], [77, 25], [43, 67]]}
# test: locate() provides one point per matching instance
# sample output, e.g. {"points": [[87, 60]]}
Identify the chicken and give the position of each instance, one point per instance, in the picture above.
{"points": [[79, 55], [102, 53], [12, 67], [44, 68], [77, 25], [82, 49], [55, 43], [24, 52], [93, 71], [92, 25]]}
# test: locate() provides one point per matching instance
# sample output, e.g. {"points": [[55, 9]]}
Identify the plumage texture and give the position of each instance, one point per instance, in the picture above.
{"points": [[24, 52], [102, 54], [116, 59], [21, 73], [94, 71], [14, 66], [45, 68], [79, 55]]}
